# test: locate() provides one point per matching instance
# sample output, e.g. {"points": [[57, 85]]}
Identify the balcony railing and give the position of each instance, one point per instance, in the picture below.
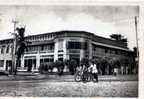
{"points": [[35, 52], [106, 54], [47, 51], [31, 52], [73, 51]]}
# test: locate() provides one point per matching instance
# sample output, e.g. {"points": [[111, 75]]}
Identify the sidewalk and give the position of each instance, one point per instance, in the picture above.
{"points": [[66, 78]]}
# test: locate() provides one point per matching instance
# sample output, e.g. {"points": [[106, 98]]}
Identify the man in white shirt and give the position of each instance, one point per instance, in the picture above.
{"points": [[95, 71]]}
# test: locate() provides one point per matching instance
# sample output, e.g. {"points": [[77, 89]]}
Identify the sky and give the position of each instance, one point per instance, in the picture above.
{"points": [[100, 20]]}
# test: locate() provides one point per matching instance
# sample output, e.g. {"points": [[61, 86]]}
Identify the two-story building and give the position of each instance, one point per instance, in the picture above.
{"points": [[61, 45]]}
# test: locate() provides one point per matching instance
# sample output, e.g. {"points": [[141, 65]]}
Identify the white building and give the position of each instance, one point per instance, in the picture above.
{"points": [[49, 47]]}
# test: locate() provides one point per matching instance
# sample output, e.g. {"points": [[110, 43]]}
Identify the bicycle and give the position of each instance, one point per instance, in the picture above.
{"points": [[78, 76], [85, 77]]}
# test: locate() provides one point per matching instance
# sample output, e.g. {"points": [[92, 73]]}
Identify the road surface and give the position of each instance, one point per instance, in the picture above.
{"points": [[45, 88]]}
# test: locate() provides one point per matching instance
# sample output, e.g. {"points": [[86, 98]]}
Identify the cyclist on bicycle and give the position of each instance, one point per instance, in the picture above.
{"points": [[84, 72], [94, 70], [79, 69], [90, 71]]}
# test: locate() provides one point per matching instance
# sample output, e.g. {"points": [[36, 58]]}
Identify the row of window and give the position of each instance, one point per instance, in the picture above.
{"points": [[31, 61], [40, 37], [76, 45], [5, 49], [41, 48], [8, 63], [43, 59], [108, 50], [70, 45], [1, 63]]}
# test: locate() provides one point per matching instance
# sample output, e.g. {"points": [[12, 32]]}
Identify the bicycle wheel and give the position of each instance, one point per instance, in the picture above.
{"points": [[85, 77], [77, 77], [95, 79], [89, 78]]}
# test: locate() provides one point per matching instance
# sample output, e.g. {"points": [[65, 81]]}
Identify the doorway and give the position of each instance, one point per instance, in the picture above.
{"points": [[76, 58], [8, 64], [30, 63]]}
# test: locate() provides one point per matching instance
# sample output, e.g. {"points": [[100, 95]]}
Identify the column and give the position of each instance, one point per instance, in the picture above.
{"points": [[4, 64], [64, 50], [37, 61], [81, 54], [22, 62], [90, 49], [56, 50]]}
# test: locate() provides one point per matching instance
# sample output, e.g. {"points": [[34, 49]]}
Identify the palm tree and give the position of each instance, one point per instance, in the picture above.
{"points": [[20, 47]]}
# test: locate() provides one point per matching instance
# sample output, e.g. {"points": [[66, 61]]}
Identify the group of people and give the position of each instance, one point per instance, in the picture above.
{"points": [[90, 70]]}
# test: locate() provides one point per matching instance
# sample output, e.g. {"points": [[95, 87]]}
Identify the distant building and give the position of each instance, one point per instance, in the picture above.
{"points": [[62, 45]]}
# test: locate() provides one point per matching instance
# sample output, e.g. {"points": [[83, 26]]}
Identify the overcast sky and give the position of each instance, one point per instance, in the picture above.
{"points": [[101, 20]]}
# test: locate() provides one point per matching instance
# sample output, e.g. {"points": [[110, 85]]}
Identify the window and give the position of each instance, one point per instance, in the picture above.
{"points": [[106, 50], [9, 63], [19, 64], [1, 63], [51, 47], [77, 45], [84, 45], [60, 57], [94, 48], [46, 37], [46, 59], [2, 50], [30, 61], [7, 50], [34, 38], [26, 63], [112, 51], [11, 48], [32, 48], [73, 45], [42, 48], [60, 45], [51, 60], [47, 47], [116, 52]]}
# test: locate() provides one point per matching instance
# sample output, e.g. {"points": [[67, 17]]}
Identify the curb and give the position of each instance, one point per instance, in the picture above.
{"points": [[61, 79]]}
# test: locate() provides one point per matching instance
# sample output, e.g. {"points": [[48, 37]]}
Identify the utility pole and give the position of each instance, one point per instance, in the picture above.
{"points": [[14, 22], [14, 47], [137, 58]]}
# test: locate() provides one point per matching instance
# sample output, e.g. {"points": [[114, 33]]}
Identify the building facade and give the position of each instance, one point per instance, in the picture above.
{"points": [[63, 45]]}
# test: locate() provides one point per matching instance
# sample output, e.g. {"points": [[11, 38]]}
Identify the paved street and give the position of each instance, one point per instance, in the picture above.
{"points": [[64, 78], [41, 88]]}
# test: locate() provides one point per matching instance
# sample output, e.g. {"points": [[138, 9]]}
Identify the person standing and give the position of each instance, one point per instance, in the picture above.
{"points": [[90, 71], [33, 69], [115, 71], [84, 72], [95, 71]]}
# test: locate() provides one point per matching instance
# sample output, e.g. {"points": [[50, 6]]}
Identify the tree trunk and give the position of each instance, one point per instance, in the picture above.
{"points": [[17, 63]]}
